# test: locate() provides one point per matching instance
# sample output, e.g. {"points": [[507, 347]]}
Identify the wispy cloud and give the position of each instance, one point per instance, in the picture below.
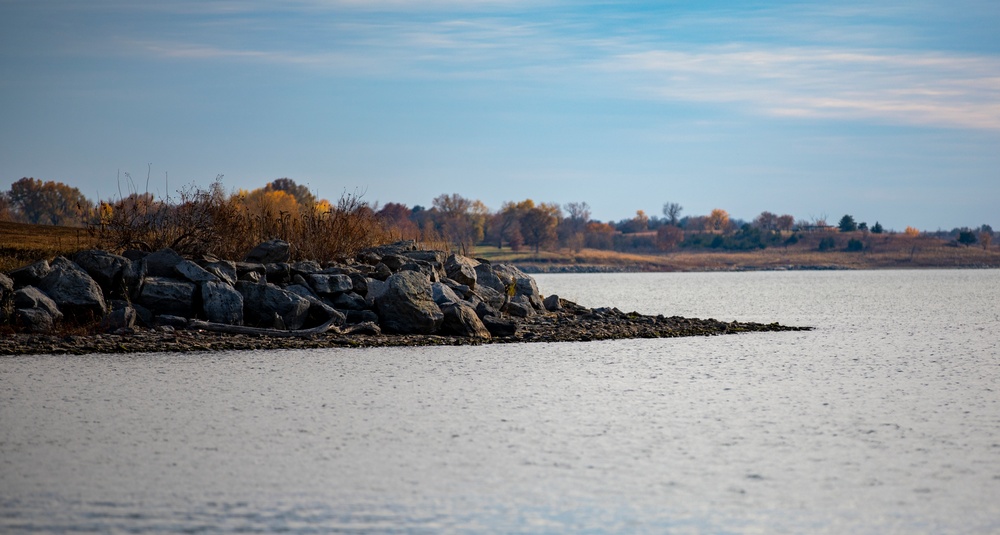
{"points": [[907, 88]]}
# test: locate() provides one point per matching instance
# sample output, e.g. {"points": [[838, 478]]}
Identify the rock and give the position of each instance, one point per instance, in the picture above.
{"points": [[325, 284], [251, 271], [462, 290], [376, 289], [266, 305], [31, 274], [552, 303], [360, 283], [132, 277], [194, 273], [34, 320], [269, 252], [382, 272], [444, 295], [524, 285], [6, 298], [75, 292], [462, 270], [319, 312], [349, 301], [165, 296], [406, 306], [396, 248], [224, 270], [422, 267], [122, 316], [221, 303], [361, 316], [431, 257], [394, 261], [169, 321], [461, 320], [31, 297], [305, 267], [486, 277], [162, 263], [519, 308], [499, 327], [105, 268], [483, 309], [278, 273], [491, 297]]}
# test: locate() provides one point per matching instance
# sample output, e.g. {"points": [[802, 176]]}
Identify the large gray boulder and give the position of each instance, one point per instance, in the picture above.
{"points": [[34, 320], [460, 319], [443, 295], [75, 292], [524, 285], [221, 303], [319, 312], [31, 297], [223, 269], [162, 263], [330, 284], [121, 316], [266, 305], [31, 274], [270, 252], [6, 298], [486, 277], [106, 268], [406, 307], [461, 269], [170, 297], [194, 273]]}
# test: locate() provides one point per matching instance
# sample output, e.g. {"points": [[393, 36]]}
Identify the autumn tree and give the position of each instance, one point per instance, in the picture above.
{"points": [[911, 232], [672, 211], [49, 203], [454, 219], [639, 223], [718, 220], [572, 228], [302, 195], [668, 237], [539, 223], [785, 222], [600, 235], [398, 219], [505, 225], [766, 221]]}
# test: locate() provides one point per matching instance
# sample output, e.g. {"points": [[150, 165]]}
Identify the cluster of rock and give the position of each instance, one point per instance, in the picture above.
{"points": [[395, 288]]}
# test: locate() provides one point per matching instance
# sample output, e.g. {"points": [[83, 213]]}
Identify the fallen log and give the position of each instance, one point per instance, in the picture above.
{"points": [[261, 331]]}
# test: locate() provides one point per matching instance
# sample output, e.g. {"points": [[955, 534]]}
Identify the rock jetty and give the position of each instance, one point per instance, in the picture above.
{"points": [[390, 295]]}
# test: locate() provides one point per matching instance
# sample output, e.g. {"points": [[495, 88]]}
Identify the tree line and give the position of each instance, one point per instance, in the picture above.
{"points": [[284, 208]]}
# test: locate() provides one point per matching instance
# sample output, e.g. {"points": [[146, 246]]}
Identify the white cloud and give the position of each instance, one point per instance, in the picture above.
{"points": [[909, 88]]}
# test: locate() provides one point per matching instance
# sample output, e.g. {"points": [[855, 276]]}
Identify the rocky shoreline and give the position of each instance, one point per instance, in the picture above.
{"points": [[573, 324], [395, 295]]}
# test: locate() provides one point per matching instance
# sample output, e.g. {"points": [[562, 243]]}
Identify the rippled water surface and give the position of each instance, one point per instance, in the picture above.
{"points": [[886, 418]]}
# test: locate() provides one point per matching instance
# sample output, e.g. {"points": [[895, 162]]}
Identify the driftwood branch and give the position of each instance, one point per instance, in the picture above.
{"points": [[261, 331]]}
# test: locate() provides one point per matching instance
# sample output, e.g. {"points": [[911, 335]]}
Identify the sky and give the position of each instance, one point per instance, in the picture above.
{"points": [[888, 111]]}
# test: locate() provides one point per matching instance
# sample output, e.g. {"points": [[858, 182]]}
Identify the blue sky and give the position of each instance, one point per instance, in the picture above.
{"points": [[888, 111]]}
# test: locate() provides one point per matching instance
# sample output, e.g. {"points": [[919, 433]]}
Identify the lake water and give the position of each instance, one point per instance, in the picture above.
{"points": [[886, 418]]}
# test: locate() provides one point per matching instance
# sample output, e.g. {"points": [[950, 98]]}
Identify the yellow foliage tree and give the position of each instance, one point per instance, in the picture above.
{"points": [[911, 232], [718, 220]]}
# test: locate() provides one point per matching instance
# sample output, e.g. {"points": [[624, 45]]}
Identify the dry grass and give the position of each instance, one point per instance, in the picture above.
{"points": [[22, 244]]}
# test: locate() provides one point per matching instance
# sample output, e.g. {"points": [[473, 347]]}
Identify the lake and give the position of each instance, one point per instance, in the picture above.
{"points": [[885, 418]]}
